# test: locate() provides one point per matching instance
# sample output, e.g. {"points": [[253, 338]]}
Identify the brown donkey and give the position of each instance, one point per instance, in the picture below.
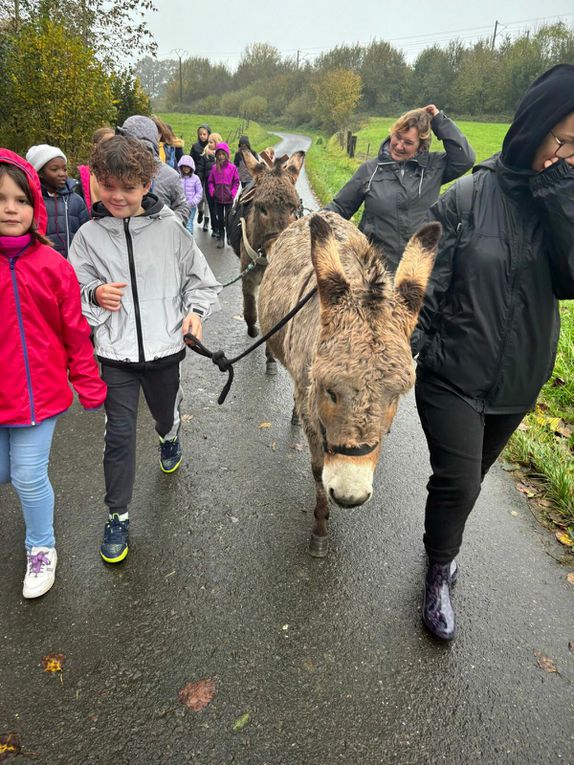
{"points": [[347, 350], [274, 205]]}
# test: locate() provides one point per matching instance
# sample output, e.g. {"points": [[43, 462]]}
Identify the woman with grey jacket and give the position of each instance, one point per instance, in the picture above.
{"points": [[399, 186]]}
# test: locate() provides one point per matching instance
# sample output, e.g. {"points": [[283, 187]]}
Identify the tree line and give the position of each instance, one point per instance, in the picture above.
{"points": [[478, 80], [60, 73]]}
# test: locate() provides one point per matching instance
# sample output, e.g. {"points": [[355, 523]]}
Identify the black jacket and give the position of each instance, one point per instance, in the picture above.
{"points": [[397, 195], [67, 211], [490, 322]]}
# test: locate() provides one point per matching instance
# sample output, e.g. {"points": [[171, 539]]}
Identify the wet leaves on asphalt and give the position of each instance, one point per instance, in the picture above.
{"points": [[53, 662], [10, 746], [528, 491], [564, 538], [545, 662], [264, 425], [197, 695], [241, 722], [570, 577]]}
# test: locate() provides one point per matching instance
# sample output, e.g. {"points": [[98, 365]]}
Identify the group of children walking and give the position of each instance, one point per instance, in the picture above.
{"points": [[131, 284]]}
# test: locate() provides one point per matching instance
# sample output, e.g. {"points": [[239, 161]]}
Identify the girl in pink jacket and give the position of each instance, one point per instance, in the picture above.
{"points": [[222, 184], [43, 339]]}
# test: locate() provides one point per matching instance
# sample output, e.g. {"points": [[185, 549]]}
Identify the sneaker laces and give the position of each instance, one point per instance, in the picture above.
{"points": [[115, 530], [38, 561], [169, 449]]}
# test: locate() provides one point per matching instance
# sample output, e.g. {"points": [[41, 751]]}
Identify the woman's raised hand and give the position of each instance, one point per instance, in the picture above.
{"points": [[431, 109]]}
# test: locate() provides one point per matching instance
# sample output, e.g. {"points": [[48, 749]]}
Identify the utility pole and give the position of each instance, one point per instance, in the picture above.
{"points": [[494, 35], [298, 54], [180, 54]]}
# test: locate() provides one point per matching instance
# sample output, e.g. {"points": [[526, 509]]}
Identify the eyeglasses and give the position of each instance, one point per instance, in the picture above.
{"points": [[568, 147]]}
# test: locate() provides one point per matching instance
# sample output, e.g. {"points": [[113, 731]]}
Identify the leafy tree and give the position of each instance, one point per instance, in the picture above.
{"points": [[129, 97], [255, 108], [112, 28], [57, 91], [259, 61], [337, 93], [341, 57], [385, 75], [200, 78], [154, 74]]}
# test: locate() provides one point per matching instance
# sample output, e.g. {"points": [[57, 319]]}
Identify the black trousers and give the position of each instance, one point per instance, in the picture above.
{"points": [[220, 216], [162, 391], [463, 444]]}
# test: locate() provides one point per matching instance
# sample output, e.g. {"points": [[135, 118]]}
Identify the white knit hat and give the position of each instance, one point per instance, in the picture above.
{"points": [[40, 155]]}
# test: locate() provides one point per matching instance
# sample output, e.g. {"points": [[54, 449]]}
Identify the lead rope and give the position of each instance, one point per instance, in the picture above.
{"points": [[226, 365]]}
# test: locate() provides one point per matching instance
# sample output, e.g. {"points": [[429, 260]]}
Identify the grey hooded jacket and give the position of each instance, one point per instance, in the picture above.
{"points": [[398, 195], [166, 183], [166, 275]]}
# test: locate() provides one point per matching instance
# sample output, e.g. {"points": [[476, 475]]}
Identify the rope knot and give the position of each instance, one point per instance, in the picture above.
{"points": [[220, 360]]}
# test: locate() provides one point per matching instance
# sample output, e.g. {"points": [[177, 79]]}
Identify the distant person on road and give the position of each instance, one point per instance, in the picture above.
{"points": [[208, 158], [196, 154], [44, 342], [192, 187], [223, 183], [489, 326], [244, 174], [66, 209], [144, 285], [398, 187], [88, 185], [166, 183]]}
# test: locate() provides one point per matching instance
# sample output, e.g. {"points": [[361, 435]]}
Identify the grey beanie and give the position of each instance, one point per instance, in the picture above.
{"points": [[142, 128]]}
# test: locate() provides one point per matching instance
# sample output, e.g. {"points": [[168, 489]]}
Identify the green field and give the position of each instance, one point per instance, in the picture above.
{"points": [[230, 128]]}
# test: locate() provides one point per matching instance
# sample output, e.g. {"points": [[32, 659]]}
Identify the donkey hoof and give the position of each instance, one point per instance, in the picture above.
{"points": [[318, 546], [295, 420], [271, 368], [252, 330]]}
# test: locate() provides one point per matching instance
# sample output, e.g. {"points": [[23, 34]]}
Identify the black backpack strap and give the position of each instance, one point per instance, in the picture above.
{"points": [[464, 192]]}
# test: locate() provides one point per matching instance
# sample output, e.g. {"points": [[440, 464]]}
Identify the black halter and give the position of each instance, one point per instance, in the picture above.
{"points": [[347, 451]]}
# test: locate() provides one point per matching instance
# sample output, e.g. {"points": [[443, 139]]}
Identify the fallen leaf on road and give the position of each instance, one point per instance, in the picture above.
{"points": [[514, 513], [545, 662], [564, 538], [297, 447], [570, 577], [197, 695], [241, 722], [9, 746], [571, 646], [274, 446], [186, 417], [53, 662], [527, 490], [264, 425], [238, 318]]}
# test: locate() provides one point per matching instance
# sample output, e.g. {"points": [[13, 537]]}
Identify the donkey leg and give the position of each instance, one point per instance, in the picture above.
{"points": [[250, 288], [270, 364], [319, 541], [295, 419]]}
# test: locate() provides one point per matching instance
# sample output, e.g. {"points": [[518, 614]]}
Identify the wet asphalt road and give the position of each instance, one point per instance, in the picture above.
{"points": [[327, 657]]}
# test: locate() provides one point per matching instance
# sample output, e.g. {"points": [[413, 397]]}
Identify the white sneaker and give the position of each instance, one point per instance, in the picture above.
{"points": [[41, 571]]}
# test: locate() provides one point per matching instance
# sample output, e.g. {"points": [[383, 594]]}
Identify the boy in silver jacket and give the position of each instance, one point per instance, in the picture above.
{"points": [[144, 286]]}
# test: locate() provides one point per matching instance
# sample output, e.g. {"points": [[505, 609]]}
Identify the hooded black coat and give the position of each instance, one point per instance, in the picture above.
{"points": [[490, 322], [201, 168]]}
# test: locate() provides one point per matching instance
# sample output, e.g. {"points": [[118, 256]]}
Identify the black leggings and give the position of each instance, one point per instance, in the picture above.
{"points": [[220, 216], [463, 444]]}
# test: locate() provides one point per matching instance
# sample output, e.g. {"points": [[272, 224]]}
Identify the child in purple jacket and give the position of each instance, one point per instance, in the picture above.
{"points": [[192, 188], [222, 184]]}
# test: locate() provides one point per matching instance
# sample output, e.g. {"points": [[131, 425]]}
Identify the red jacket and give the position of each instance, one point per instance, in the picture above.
{"points": [[43, 335]]}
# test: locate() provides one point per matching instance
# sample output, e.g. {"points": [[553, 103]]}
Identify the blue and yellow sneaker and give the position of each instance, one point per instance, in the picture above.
{"points": [[170, 454], [114, 547]]}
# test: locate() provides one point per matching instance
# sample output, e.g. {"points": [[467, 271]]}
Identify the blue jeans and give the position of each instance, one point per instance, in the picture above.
{"points": [[24, 456], [189, 226]]}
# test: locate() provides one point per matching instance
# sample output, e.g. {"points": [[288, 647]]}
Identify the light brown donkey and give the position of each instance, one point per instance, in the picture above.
{"points": [[347, 350], [274, 205]]}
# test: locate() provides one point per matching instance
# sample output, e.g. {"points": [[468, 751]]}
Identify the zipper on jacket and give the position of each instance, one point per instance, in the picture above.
{"points": [[23, 339], [67, 226], [141, 354]]}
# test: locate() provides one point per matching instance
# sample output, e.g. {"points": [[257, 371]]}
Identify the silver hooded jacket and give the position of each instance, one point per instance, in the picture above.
{"points": [[166, 277]]}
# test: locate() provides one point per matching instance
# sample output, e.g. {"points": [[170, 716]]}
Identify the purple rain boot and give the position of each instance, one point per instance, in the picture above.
{"points": [[438, 614]]}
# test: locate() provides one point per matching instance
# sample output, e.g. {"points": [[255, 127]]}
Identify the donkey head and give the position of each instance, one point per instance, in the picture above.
{"points": [[363, 360], [275, 200]]}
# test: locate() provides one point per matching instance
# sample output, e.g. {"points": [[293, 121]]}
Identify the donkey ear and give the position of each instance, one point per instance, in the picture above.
{"points": [[331, 281], [294, 165], [254, 166], [414, 270]]}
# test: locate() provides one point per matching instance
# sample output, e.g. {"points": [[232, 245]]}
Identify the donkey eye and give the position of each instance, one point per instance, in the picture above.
{"points": [[262, 210], [332, 395]]}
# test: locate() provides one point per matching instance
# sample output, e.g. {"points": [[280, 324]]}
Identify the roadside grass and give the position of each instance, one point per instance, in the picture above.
{"points": [[544, 444], [230, 128]]}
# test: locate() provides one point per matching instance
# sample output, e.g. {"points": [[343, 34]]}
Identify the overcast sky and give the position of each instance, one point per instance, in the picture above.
{"points": [[220, 31]]}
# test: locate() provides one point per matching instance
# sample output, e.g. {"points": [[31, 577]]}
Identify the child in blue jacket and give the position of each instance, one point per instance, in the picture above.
{"points": [[66, 210]]}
